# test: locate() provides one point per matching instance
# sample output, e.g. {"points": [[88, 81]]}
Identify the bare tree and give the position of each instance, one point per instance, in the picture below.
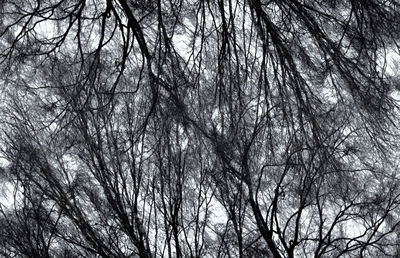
{"points": [[199, 128]]}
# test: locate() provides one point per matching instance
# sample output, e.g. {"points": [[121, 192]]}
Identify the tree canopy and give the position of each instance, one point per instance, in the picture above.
{"points": [[192, 128]]}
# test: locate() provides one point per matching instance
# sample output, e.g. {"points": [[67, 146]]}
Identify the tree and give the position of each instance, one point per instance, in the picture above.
{"points": [[199, 128]]}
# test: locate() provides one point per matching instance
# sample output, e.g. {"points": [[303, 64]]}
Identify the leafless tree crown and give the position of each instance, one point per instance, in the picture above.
{"points": [[193, 128]]}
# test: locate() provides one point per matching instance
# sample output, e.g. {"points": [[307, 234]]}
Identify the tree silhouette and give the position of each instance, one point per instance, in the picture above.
{"points": [[199, 128]]}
